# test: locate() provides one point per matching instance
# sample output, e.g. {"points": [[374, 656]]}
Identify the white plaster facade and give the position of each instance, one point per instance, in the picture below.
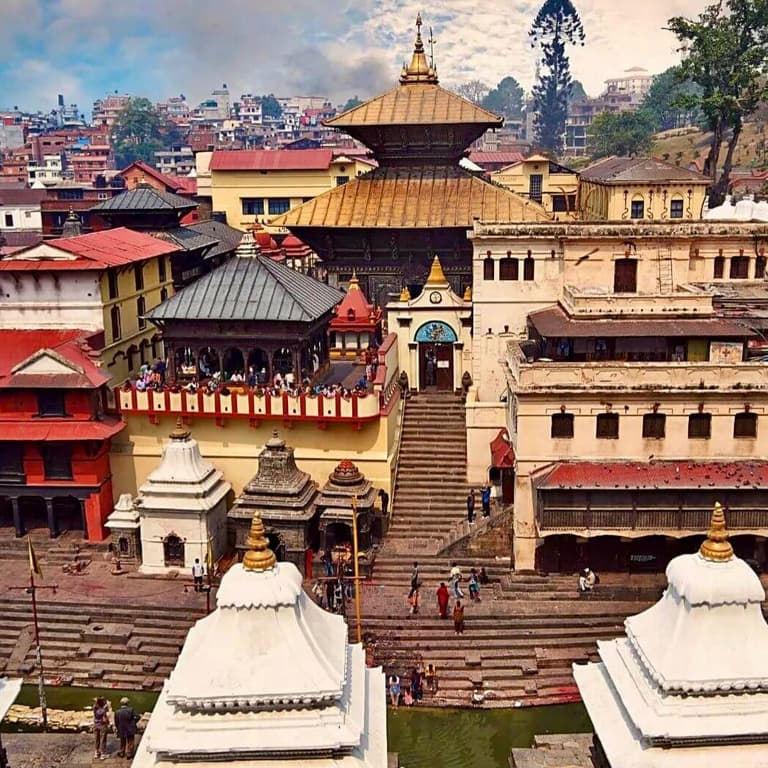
{"points": [[184, 499]]}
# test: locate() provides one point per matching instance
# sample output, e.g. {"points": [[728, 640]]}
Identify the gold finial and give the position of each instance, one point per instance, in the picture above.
{"points": [[259, 556], [716, 546], [405, 294], [467, 293], [419, 70], [354, 283], [179, 433], [436, 274]]}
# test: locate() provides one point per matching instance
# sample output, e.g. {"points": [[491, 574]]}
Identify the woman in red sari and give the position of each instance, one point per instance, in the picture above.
{"points": [[443, 598]]}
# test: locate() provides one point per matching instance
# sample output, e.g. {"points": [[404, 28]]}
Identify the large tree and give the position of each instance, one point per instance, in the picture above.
{"points": [[270, 107], [136, 132], [577, 92], [621, 133], [473, 90], [351, 103], [726, 50], [668, 100], [556, 25], [506, 99]]}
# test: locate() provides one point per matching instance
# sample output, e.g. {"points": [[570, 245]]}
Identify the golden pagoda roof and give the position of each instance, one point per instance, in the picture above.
{"points": [[421, 197], [716, 546]]}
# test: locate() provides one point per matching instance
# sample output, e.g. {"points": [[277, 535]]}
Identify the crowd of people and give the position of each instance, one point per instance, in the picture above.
{"points": [[412, 692]]}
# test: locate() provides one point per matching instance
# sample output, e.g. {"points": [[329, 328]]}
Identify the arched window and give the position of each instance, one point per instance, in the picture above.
{"points": [[745, 424], [676, 208], [739, 268], [529, 267], [719, 267], [114, 316], [489, 270], [637, 211], [141, 308], [509, 268]]}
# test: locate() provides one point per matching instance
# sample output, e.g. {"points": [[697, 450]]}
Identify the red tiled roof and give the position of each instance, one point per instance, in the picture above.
{"points": [[271, 160], [495, 157], [97, 250], [60, 430], [656, 475], [502, 452], [354, 309], [176, 184], [18, 346]]}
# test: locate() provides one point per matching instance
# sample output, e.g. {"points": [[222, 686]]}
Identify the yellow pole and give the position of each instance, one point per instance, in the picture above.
{"points": [[357, 570]]}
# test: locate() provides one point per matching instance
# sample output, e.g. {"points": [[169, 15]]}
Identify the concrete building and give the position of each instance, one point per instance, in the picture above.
{"points": [[179, 160], [20, 211], [49, 170], [640, 189], [105, 111], [634, 81]]}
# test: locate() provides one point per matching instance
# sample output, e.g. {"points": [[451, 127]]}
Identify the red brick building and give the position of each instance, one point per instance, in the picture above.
{"points": [[55, 432]]}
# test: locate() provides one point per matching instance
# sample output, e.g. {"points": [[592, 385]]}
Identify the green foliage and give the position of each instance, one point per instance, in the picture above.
{"points": [[577, 92], [506, 99], [726, 52], [136, 133], [621, 133], [670, 100], [351, 103], [556, 25], [474, 91], [270, 107]]}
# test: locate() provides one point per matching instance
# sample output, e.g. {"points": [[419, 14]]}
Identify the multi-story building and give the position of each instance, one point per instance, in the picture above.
{"points": [[257, 185], [540, 179], [89, 162], [626, 395], [55, 431], [214, 109], [79, 197], [106, 110], [635, 81], [640, 189], [49, 170], [179, 160], [102, 283], [176, 109], [249, 109], [20, 211]]}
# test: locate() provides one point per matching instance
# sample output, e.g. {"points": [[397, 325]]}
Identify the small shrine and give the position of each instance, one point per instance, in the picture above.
{"points": [[356, 325], [347, 491], [284, 497], [269, 678], [688, 685], [125, 529], [182, 508]]}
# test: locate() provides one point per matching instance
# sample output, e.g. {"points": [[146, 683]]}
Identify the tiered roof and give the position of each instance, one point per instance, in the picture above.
{"points": [[355, 313]]}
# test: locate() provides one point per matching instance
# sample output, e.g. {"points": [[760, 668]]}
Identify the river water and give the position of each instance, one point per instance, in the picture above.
{"points": [[424, 737]]}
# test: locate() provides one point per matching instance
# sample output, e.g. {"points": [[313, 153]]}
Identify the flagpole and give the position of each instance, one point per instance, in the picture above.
{"points": [[41, 679], [357, 570]]}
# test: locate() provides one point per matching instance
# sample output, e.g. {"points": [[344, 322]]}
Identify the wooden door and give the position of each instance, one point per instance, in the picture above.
{"points": [[625, 276], [444, 367]]}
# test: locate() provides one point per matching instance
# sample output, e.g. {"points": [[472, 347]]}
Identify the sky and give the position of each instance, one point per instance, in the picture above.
{"points": [[85, 49]]}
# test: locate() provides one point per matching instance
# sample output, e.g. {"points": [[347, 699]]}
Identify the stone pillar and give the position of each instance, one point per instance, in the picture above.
{"points": [[83, 517], [53, 526], [170, 356], [18, 523]]}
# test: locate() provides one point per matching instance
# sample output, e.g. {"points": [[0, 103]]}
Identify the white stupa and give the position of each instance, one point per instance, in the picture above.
{"points": [[182, 508], [688, 685], [268, 680]]}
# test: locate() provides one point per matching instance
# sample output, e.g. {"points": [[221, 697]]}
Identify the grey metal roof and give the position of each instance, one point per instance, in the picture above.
{"points": [[617, 170], [186, 238], [145, 198], [250, 288], [228, 237]]}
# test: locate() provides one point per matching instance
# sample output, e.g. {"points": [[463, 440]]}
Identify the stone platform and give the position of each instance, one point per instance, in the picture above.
{"points": [[555, 751]]}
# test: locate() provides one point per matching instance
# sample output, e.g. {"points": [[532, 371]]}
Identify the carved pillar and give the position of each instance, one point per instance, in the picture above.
{"points": [[18, 523], [170, 356], [53, 526], [83, 518]]}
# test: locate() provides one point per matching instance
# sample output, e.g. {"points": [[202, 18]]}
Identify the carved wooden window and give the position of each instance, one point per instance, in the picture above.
{"points": [[700, 426], [654, 425], [562, 425], [745, 425], [607, 426]]}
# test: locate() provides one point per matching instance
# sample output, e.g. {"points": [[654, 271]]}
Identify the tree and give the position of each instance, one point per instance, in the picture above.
{"points": [[351, 103], [136, 132], [474, 91], [577, 92], [667, 97], [270, 107], [726, 50], [621, 133], [556, 25], [506, 99]]}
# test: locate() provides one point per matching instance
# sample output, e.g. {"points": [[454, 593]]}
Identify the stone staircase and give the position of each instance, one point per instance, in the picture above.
{"points": [[431, 486], [98, 645], [66, 549]]}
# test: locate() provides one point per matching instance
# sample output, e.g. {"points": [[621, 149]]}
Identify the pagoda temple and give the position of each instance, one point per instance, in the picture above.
{"points": [[688, 685], [389, 223], [268, 679], [356, 325]]}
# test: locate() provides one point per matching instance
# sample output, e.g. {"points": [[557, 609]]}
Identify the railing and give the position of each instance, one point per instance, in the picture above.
{"points": [[582, 302], [619, 375]]}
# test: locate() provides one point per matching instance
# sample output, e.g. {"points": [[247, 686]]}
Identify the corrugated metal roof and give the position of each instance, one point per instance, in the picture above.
{"points": [[555, 323], [145, 198], [271, 159], [250, 288], [423, 197], [186, 238], [620, 170], [227, 238], [416, 104]]}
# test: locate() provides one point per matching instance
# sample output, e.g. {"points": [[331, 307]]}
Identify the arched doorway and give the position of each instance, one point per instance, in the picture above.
{"points": [[208, 362], [233, 363], [282, 361], [173, 551], [258, 362], [68, 513], [436, 340]]}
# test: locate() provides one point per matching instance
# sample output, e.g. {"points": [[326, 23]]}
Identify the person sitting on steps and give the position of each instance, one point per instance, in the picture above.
{"points": [[587, 580]]}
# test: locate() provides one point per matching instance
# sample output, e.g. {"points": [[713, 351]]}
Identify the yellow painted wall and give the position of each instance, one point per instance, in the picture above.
{"points": [[613, 202], [127, 300], [517, 178], [229, 187]]}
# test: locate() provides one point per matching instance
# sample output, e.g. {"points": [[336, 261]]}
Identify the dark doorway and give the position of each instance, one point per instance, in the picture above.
{"points": [[34, 513], [68, 513], [173, 551], [436, 367], [277, 546], [625, 276]]}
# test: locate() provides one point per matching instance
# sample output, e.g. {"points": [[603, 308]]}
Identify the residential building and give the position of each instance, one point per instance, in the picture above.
{"points": [[67, 196], [55, 430], [90, 162], [20, 210], [215, 109], [179, 160], [48, 171], [106, 110], [249, 109], [635, 81], [176, 109], [11, 133], [628, 395], [103, 283], [640, 189], [540, 179], [258, 185], [139, 173]]}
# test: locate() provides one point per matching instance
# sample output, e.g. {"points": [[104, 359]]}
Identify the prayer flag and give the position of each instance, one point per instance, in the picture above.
{"points": [[34, 563]]}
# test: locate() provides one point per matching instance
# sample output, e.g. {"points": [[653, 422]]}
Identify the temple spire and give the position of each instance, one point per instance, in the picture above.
{"points": [[179, 433], [354, 282], [419, 70], [436, 274], [716, 546], [259, 556]]}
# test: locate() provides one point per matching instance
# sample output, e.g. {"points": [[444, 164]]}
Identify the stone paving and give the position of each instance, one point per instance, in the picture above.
{"points": [[57, 750]]}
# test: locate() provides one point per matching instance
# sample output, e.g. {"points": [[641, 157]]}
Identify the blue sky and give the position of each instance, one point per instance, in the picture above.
{"points": [[159, 48]]}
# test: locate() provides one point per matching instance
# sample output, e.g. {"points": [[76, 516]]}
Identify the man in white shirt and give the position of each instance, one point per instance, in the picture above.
{"points": [[198, 571]]}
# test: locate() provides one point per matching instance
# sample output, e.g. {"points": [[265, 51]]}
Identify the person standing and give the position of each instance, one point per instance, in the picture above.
{"points": [[443, 598], [198, 571], [458, 618], [417, 687], [415, 581], [413, 600], [430, 677], [125, 725], [474, 586], [394, 691], [471, 507], [455, 579], [485, 500], [384, 496], [100, 727]]}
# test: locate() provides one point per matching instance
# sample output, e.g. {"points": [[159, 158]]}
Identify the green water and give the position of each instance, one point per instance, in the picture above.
{"points": [[444, 738], [424, 737]]}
